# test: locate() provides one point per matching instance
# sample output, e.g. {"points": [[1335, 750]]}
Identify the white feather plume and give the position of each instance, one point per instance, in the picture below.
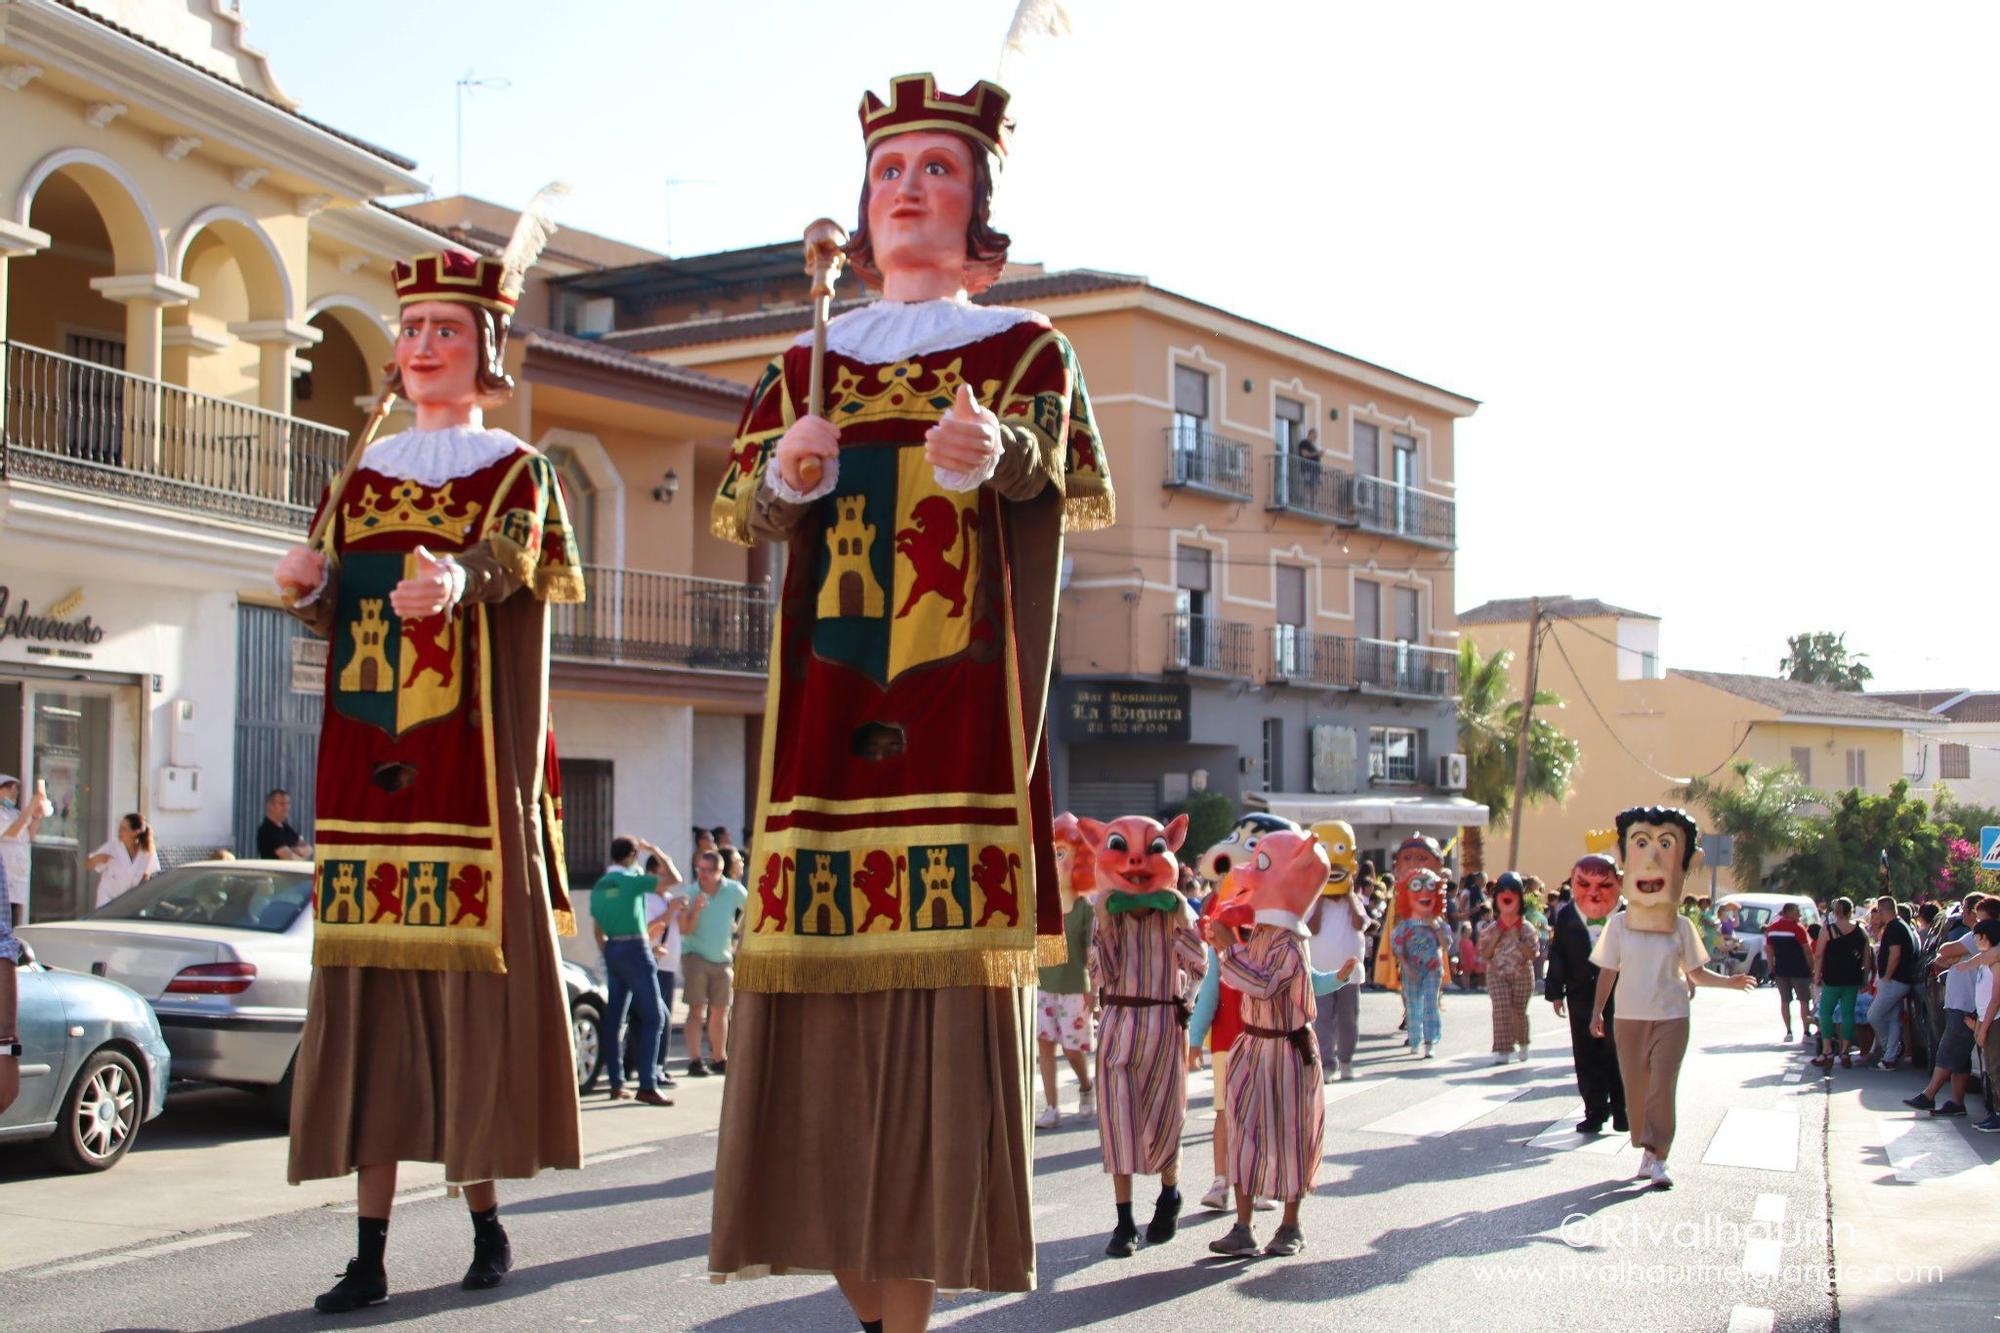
{"points": [[531, 234], [1032, 19]]}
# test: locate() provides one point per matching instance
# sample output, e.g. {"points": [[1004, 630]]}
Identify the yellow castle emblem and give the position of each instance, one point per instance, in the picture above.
{"points": [[851, 588]]}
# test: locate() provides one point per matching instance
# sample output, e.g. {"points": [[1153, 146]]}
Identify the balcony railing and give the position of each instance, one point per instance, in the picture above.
{"points": [[1200, 460], [646, 619], [1206, 645], [1335, 661], [1378, 505], [1308, 486], [77, 424]]}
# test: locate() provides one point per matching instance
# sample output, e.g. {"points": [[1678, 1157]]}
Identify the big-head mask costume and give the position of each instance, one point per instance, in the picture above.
{"points": [[1135, 864], [1280, 883], [1594, 888], [1659, 845], [1343, 856]]}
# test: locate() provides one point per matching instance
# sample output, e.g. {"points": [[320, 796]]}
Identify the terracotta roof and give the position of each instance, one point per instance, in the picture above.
{"points": [[1928, 700], [452, 234], [1515, 610], [1981, 706], [1794, 698], [405, 163], [645, 367], [797, 319]]}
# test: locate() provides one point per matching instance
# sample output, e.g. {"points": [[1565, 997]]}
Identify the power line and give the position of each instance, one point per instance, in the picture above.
{"points": [[1613, 733]]}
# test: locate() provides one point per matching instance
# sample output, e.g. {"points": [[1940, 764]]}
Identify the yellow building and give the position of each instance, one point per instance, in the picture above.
{"points": [[1643, 730], [195, 310]]}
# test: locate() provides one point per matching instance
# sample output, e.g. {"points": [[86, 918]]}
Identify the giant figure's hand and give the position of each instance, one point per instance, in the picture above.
{"points": [[428, 592], [299, 572], [966, 439], [808, 438]]}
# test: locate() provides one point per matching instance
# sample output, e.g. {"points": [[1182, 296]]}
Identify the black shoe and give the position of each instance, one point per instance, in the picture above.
{"points": [[491, 1258], [1950, 1108], [1124, 1242], [696, 1069], [1621, 1124], [1920, 1102], [1590, 1126], [720, 1066], [1166, 1220], [356, 1288], [667, 1080]]}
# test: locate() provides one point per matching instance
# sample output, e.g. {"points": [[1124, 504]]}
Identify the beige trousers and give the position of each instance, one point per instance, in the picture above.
{"points": [[1650, 1051]]}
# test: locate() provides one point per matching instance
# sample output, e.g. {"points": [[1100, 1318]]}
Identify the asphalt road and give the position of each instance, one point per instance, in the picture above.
{"points": [[1452, 1196]]}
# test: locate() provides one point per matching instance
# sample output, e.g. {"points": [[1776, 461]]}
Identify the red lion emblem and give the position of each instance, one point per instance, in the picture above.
{"points": [[385, 892], [878, 879], [772, 896], [995, 875], [430, 648], [468, 896], [928, 544]]}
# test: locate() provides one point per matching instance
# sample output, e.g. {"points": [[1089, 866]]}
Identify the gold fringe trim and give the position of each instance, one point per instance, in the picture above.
{"points": [[1051, 950], [560, 583], [1089, 513], [847, 974], [726, 522], [330, 950], [513, 558], [565, 923]]}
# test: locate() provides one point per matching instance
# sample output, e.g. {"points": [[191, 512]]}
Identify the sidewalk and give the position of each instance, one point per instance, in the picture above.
{"points": [[1912, 1201]]}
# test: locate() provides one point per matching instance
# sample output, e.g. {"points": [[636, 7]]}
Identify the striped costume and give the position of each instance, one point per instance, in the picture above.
{"points": [[1277, 1109], [1510, 979], [1142, 1051]]}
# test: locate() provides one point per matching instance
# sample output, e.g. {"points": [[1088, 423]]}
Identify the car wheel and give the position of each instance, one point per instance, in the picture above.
{"points": [[583, 1021], [100, 1114], [277, 1098]]}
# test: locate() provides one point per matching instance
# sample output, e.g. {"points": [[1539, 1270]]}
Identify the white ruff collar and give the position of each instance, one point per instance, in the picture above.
{"points": [[1277, 916], [897, 330], [434, 457]]}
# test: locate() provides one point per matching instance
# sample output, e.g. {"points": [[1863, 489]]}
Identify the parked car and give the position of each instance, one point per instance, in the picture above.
{"points": [[93, 1068], [1754, 911], [223, 952]]}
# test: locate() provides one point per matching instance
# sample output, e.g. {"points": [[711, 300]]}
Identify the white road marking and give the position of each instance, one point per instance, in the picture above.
{"points": [[1561, 1136], [1750, 1319], [147, 1252], [1763, 1245], [1770, 1209], [616, 1155], [1451, 1110], [1925, 1149], [1759, 1139], [414, 1196]]}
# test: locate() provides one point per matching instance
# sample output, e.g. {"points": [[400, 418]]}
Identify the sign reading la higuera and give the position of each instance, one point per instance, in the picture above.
{"points": [[19, 620], [1126, 710]]}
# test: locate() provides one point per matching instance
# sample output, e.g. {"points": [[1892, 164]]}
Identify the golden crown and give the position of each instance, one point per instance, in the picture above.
{"points": [[408, 507]]}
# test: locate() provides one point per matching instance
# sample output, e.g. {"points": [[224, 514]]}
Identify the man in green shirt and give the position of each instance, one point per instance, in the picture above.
{"points": [[618, 919], [709, 922]]}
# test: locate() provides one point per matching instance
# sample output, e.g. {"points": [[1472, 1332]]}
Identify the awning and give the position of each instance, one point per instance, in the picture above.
{"points": [[1447, 812]]}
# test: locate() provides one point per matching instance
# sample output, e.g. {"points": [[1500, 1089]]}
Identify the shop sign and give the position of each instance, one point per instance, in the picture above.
{"points": [[308, 665], [1127, 710], [55, 632]]}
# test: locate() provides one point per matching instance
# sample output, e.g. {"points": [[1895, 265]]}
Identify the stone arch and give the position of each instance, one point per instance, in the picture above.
{"points": [[136, 244], [373, 333], [265, 278], [607, 489], [340, 373]]}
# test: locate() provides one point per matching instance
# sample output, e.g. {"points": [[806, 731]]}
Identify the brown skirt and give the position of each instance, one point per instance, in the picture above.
{"points": [[884, 1133], [471, 1069]]}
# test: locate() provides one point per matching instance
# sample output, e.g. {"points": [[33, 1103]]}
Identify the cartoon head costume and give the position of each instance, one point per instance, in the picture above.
{"points": [[1343, 854]]}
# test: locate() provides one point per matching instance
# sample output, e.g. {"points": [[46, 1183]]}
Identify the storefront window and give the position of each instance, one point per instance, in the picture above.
{"points": [[1392, 754], [72, 753]]}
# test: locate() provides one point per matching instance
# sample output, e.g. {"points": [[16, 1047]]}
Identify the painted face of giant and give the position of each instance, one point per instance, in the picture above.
{"points": [[1343, 857], [1135, 854], [920, 193], [1416, 854], [1420, 898], [1075, 870], [437, 351], [1656, 857], [1593, 883], [1280, 883], [1237, 849]]}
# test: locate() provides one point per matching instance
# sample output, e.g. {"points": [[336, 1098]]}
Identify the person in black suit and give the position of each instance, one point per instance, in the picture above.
{"points": [[1572, 977]]}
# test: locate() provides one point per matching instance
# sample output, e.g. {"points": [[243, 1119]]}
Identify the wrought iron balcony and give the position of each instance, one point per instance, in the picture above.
{"points": [[1375, 504], [1208, 646], [1405, 668], [644, 619], [1299, 657], [1200, 460], [1310, 488], [76, 424]]}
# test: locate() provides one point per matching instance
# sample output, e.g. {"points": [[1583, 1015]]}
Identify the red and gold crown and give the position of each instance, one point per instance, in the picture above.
{"points": [[916, 104], [454, 275]]}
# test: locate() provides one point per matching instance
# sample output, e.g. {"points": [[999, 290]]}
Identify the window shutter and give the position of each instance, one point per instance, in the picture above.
{"points": [[1802, 761], [1954, 761], [1367, 450], [1190, 392], [1405, 604], [1367, 609], [1191, 569], [1291, 595]]}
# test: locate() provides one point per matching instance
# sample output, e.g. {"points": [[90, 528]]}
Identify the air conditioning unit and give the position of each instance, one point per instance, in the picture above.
{"points": [[1451, 772]]}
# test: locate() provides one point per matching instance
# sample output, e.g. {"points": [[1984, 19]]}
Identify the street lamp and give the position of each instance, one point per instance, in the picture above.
{"points": [[469, 81]]}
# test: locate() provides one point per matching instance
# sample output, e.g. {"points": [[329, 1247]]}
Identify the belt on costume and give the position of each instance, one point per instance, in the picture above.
{"points": [[1301, 1039], [1182, 1010], [620, 939]]}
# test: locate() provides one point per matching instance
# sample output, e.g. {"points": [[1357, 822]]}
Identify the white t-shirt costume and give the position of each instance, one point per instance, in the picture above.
{"points": [[123, 871], [1336, 940], [1652, 966]]}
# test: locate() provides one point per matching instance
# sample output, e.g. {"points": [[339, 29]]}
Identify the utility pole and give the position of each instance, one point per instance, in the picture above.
{"points": [[1521, 741]]}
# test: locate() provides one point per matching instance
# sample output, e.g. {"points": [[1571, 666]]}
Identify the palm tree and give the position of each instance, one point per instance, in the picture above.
{"points": [[1489, 726], [1823, 658], [1759, 810]]}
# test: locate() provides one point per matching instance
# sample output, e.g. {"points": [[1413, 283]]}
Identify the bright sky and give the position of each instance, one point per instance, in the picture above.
{"points": [[1700, 261]]}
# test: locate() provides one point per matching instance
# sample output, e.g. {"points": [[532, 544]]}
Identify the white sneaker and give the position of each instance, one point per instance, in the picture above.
{"points": [[1346, 1071], [1049, 1118], [1086, 1101], [1521, 1055], [1645, 1170], [1218, 1198], [1428, 1052], [1658, 1171], [1499, 1057], [1263, 1205]]}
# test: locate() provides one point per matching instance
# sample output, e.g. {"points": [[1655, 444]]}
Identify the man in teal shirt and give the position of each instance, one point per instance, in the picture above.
{"points": [[618, 919], [708, 958]]}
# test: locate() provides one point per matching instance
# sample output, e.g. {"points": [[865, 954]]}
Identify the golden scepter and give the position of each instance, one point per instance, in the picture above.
{"points": [[824, 256]]}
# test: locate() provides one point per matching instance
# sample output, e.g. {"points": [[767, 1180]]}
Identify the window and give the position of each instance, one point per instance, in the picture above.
{"points": [[1649, 666], [1406, 477], [1954, 761], [1367, 450], [1802, 762], [581, 498], [1289, 425], [1392, 754], [1191, 647], [1274, 754], [1857, 768], [1291, 589], [1190, 410], [1367, 609], [1404, 602]]}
